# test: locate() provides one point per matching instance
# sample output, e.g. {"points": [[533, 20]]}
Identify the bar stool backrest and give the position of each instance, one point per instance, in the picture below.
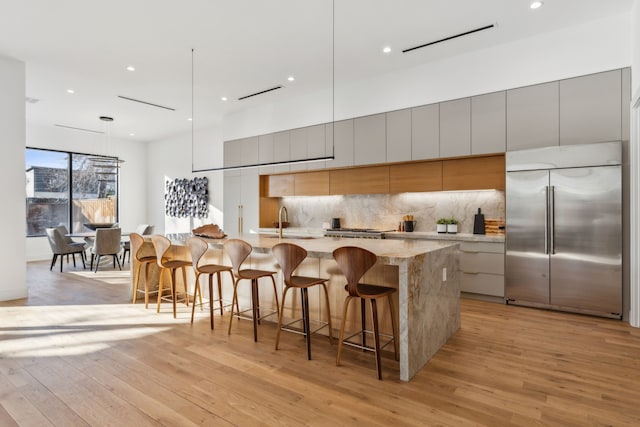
{"points": [[136, 243], [161, 245], [354, 263], [198, 248], [238, 250], [289, 256]]}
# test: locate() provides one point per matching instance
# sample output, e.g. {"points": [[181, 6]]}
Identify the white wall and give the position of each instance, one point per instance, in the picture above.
{"points": [[133, 174], [583, 49], [170, 159], [12, 133]]}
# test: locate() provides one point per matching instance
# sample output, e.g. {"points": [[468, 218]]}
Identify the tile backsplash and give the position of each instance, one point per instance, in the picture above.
{"points": [[385, 211]]}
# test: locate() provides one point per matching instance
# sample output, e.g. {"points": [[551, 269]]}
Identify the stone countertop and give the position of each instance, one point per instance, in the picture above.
{"points": [[432, 235], [390, 251]]}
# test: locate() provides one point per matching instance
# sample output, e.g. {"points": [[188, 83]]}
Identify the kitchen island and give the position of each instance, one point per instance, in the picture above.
{"points": [[426, 274]]}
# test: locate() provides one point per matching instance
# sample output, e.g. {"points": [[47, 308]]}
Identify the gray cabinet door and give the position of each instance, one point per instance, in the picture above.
{"points": [[316, 145], [590, 108], [232, 154], [281, 150], [425, 132], [455, 128], [298, 148], [370, 139], [489, 123], [265, 152], [399, 135], [532, 116], [232, 199], [342, 144]]}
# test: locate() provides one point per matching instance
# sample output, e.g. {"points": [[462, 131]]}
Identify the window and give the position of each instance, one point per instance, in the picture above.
{"points": [[69, 188]]}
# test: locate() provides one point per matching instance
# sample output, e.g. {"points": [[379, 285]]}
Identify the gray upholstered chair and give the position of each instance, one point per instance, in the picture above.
{"points": [[107, 243], [60, 246], [143, 230]]}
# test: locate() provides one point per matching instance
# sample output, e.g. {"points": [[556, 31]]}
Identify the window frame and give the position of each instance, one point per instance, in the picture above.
{"points": [[70, 199]]}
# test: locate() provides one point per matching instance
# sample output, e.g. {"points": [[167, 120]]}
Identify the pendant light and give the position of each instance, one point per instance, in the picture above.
{"points": [[106, 167]]}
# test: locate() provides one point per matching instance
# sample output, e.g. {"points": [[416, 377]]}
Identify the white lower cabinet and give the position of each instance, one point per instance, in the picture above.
{"points": [[482, 268]]}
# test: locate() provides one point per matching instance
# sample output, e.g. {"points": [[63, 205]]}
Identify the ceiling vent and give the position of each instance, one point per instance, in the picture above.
{"points": [[455, 36], [146, 103], [30, 100], [75, 128], [259, 93]]}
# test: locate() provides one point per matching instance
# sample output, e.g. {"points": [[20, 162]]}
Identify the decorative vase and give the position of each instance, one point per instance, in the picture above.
{"points": [[441, 228], [452, 228]]}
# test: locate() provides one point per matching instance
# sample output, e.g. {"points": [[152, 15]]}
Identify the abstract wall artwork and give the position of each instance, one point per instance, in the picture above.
{"points": [[187, 197]]}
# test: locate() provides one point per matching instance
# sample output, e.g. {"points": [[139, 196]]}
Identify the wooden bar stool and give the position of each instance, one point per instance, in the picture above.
{"points": [[289, 256], [136, 241], [162, 246], [354, 263], [238, 251], [198, 247]]}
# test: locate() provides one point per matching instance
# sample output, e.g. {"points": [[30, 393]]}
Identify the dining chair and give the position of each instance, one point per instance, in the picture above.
{"points": [[354, 263], [290, 256], [141, 229], [137, 242], [198, 247], [238, 251], [107, 242], [162, 245], [60, 247]]}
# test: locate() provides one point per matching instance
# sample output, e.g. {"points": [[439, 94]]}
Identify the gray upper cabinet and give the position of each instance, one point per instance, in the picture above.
{"points": [[533, 116], [281, 151], [250, 155], [316, 145], [425, 132], [298, 148], [370, 139], [489, 123], [342, 144], [232, 154], [455, 128], [590, 108], [265, 152], [399, 135]]}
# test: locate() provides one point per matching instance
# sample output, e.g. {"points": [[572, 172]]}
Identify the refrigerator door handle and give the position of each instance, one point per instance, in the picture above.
{"points": [[546, 221], [552, 220]]}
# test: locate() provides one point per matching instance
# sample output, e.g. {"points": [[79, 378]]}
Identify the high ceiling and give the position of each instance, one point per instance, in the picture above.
{"points": [[240, 47]]}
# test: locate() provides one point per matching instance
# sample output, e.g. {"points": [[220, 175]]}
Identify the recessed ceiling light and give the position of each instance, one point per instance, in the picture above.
{"points": [[536, 4], [386, 49], [291, 78], [224, 98], [190, 119], [71, 91], [132, 134], [131, 68]]}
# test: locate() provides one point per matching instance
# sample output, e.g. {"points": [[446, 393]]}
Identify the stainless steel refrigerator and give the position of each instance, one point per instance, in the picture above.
{"points": [[564, 228]]}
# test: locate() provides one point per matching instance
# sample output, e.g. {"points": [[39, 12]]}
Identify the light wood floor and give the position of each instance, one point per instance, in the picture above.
{"points": [[78, 353]]}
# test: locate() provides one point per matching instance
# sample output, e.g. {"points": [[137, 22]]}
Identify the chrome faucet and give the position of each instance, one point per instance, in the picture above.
{"points": [[286, 218]]}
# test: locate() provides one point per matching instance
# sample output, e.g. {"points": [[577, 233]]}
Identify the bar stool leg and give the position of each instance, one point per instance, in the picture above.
{"points": [[146, 285], [275, 294], [210, 298], [376, 336], [160, 290], [255, 307], [235, 298], [326, 298], [363, 315], [218, 275], [305, 320], [136, 279], [344, 319], [196, 291], [284, 296]]}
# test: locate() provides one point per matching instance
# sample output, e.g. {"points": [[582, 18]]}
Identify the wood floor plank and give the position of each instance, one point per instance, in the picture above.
{"points": [[78, 353]]}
